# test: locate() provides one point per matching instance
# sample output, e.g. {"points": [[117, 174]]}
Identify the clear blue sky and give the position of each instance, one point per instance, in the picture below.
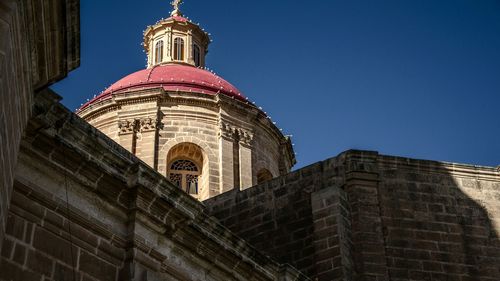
{"points": [[408, 78]]}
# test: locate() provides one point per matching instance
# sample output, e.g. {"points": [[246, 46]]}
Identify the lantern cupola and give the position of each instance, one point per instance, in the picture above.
{"points": [[176, 40]]}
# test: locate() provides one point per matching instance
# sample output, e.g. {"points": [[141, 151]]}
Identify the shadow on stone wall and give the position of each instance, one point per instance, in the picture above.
{"points": [[362, 215], [439, 220]]}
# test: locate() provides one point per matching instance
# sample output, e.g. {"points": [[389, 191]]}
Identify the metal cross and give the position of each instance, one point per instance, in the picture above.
{"points": [[176, 4]]}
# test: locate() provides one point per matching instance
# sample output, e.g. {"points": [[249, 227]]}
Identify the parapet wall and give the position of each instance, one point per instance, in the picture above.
{"points": [[365, 216]]}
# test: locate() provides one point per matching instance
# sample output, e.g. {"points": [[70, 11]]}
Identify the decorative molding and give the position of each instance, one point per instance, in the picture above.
{"points": [[146, 124], [231, 132], [226, 130], [149, 124], [127, 126], [246, 137]]}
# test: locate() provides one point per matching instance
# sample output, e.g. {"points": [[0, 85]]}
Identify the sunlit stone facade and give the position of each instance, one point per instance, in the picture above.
{"points": [[176, 110]]}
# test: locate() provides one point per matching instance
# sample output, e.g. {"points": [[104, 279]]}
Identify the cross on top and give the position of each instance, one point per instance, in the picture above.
{"points": [[176, 4]]}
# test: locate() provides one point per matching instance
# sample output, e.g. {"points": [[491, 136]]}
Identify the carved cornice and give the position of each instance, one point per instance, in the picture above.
{"points": [[187, 98], [106, 106]]}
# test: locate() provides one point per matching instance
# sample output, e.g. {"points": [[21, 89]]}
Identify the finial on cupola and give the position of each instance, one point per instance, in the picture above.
{"points": [[175, 5]]}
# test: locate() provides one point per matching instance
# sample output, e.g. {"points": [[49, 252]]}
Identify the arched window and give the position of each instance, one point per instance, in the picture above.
{"points": [[184, 173], [178, 49], [264, 175], [196, 55], [159, 51]]}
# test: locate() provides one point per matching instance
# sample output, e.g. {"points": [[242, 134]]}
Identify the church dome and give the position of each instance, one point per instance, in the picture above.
{"points": [[172, 77], [186, 122]]}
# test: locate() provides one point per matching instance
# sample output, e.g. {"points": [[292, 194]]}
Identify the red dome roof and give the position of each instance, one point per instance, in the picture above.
{"points": [[178, 18], [172, 77]]}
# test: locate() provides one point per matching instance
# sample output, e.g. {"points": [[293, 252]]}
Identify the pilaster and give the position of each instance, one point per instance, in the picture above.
{"points": [[169, 44], [245, 158], [127, 133], [361, 186], [332, 234], [226, 144], [189, 47], [147, 139]]}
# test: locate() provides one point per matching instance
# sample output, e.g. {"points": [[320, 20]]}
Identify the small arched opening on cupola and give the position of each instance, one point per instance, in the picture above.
{"points": [[196, 55], [179, 49], [187, 168], [183, 41], [159, 51]]}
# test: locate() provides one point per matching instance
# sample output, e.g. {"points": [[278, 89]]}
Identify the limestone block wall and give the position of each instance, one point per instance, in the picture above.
{"points": [[266, 151], [184, 123], [440, 221], [235, 140], [15, 98], [84, 208], [365, 216], [39, 44], [108, 124], [276, 217]]}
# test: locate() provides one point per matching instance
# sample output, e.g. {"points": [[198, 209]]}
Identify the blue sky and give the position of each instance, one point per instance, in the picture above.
{"points": [[419, 79]]}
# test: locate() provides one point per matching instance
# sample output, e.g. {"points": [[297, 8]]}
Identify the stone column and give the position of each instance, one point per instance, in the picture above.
{"points": [[245, 158], [226, 144], [127, 131], [146, 140]]}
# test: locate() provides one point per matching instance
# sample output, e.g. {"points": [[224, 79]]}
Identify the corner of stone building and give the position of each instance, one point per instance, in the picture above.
{"points": [[36, 59], [320, 195], [332, 234], [349, 239]]}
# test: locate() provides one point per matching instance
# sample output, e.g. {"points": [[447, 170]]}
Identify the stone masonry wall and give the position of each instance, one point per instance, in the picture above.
{"points": [[365, 216], [265, 153], [39, 44], [83, 208], [15, 98], [332, 234], [40, 242], [276, 216], [237, 139], [440, 221]]}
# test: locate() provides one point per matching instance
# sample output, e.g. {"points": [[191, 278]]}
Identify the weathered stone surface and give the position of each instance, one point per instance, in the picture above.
{"points": [[374, 217], [234, 140], [80, 206], [96, 267], [62, 223], [39, 44]]}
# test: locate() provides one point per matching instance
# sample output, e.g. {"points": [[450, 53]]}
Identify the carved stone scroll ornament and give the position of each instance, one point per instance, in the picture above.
{"points": [[127, 126], [231, 132], [246, 137], [148, 124], [226, 130]]}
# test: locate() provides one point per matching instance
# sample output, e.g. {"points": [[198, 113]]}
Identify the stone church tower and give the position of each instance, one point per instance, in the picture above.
{"points": [[186, 122]]}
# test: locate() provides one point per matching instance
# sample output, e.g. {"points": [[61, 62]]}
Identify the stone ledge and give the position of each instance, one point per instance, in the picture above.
{"points": [[123, 172]]}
